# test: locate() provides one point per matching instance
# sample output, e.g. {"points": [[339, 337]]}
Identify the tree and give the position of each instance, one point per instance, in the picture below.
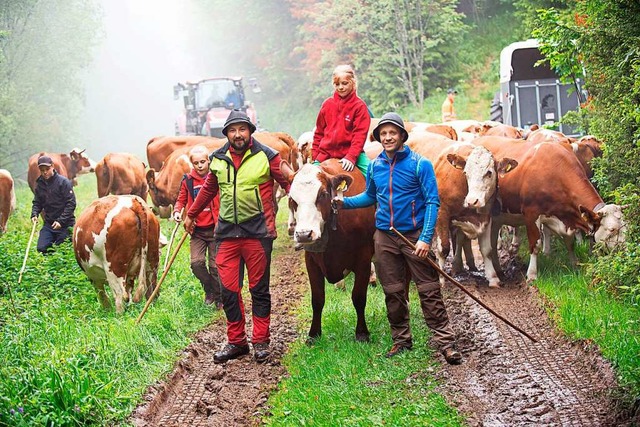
{"points": [[43, 49], [402, 49]]}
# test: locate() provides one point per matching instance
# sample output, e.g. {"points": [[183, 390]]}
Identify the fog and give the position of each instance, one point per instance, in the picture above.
{"points": [[147, 47]]}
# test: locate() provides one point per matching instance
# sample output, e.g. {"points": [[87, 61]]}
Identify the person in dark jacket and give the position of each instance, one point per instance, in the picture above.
{"points": [[242, 172], [54, 197], [403, 183]]}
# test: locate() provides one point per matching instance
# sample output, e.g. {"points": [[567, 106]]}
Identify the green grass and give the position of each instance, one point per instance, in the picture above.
{"points": [[63, 359], [340, 382]]}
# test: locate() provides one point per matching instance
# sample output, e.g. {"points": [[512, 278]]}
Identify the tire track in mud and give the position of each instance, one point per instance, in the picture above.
{"points": [[201, 393], [508, 380]]}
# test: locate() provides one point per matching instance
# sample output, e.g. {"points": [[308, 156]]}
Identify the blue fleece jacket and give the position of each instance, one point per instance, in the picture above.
{"points": [[406, 191]]}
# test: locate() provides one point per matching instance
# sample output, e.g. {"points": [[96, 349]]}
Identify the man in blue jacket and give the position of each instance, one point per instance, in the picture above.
{"points": [[403, 184], [54, 195]]}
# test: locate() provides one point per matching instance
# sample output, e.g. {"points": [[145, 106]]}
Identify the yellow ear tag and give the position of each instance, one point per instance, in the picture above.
{"points": [[342, 186]]}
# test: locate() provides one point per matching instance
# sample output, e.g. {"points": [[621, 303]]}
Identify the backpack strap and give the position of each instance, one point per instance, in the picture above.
{"points": [[189, 181]]}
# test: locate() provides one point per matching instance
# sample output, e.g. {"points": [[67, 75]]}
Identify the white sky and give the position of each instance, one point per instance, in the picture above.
{"points": [[146, 49]]}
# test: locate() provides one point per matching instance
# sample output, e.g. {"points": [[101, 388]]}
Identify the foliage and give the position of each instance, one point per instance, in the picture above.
{"points": [[63, 359], [603, 39], [43, 49], [405, 49]]}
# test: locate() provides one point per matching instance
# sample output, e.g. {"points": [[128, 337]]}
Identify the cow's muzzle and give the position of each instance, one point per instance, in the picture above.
{"points": [[303, 236]]}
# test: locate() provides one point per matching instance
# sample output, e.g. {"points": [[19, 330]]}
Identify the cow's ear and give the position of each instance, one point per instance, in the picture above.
{"points": [[506, 165], [589, 216], [287, 170], [340, 182], [456, 160], [151, 177]]}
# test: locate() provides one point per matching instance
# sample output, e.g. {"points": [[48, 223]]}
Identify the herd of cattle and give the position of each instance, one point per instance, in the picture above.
{"points": [[488, 175]]}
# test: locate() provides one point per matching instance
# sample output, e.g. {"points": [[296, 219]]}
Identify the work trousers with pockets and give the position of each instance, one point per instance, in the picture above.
{"points": [[233, 255], [393, 256], [49, 237], [203, 261]]}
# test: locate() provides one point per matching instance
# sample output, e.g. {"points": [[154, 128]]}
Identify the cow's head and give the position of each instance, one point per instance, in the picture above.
{"points": [[482, 173], [310, 196], [612, 227], [81, 162]]}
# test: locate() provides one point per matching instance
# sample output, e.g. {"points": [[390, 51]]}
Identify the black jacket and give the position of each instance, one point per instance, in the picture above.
{"points": [[56, 198]]}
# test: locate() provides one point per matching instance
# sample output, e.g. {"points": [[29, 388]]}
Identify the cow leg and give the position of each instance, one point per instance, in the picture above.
{"points": [[102, 294], [495, 260], [117, 285], [468, 252], [533, 235], [436, 246], [359, 299], [484, 241], [546, 240], [316, 280], [373, 277], [569, 241]]}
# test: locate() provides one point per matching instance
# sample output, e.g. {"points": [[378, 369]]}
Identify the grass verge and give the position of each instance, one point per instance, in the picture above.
{"points": [[340, 382], [63, 359]]}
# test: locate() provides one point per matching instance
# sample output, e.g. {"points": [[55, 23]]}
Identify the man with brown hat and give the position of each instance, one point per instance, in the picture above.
{"points": [[242, 172], [55, 197], [403, 184]]}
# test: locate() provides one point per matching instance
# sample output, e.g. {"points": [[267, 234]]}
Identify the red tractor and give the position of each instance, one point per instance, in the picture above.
{"points": [[207, 104]]}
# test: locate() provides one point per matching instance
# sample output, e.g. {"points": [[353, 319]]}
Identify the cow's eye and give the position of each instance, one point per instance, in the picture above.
{"points": [[324, 195]]}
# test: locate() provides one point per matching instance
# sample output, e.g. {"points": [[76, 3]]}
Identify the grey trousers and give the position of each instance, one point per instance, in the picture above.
{"points": [[203, 251]]}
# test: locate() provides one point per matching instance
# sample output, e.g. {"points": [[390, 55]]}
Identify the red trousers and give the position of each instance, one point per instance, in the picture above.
{"points": [[233, 255]]}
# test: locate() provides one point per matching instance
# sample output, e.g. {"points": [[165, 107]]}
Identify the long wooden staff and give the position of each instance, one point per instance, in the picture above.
{"points": [[461, 287], [164, 274], [26, 253], [173, 235]]}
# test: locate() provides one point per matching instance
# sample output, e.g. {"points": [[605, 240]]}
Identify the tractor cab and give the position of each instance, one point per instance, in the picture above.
{"points": [[207, 104]]}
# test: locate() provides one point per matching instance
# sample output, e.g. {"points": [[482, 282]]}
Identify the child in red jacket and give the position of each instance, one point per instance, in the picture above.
{"points": [[202, 238], [342, 125]]}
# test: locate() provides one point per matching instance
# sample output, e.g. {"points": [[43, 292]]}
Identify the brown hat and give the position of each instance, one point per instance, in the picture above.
{"points": [[45, 161]]}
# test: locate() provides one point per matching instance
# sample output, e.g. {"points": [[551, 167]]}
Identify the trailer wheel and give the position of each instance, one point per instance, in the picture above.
{"points": [[495, 113]]}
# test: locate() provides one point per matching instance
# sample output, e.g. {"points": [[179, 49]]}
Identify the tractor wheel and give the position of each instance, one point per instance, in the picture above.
{"points": [[496, 109]]}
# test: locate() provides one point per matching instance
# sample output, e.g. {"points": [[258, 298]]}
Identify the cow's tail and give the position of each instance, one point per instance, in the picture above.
{"points": [[143, 237]]}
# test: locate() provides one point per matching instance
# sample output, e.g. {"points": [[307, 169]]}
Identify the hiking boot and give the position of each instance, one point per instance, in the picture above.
{"points": [[230, 351], [452, 356], [261, 351], [396, 349]]}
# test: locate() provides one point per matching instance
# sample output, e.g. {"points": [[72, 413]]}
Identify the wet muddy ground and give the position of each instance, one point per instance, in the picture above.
{"points": [[505, 380]]}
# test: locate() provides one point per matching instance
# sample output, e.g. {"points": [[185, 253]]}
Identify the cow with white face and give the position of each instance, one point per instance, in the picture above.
{"points": [[467, 179], [335, 242], [116, 240]]}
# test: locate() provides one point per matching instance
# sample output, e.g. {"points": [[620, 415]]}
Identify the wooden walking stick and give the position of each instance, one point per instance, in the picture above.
{"points": [[461, 287], [26, 254], [173, 235], [164, 274]]}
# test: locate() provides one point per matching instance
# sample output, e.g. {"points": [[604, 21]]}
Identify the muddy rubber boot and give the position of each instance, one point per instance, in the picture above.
{"points": [[230, 351], [261, 351], [452, 356]]}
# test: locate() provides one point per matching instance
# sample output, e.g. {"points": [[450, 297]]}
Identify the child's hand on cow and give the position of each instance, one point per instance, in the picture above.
{"points": [[347, 165]]}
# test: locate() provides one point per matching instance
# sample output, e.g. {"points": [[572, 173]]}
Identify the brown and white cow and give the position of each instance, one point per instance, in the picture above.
{"points": [[7, 198], [467, 178], [164, 185], [70, 165], [160, 147], [502, 130], [334, 242], [116, 240], [305, 143], [121, 173], [550, 187]]}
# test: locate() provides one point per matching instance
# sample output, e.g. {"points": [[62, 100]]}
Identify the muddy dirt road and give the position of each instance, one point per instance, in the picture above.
{"points": [[505, 380]]}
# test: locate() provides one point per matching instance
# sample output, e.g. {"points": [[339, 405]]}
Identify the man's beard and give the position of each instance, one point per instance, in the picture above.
{"points": [[239, 144]]}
